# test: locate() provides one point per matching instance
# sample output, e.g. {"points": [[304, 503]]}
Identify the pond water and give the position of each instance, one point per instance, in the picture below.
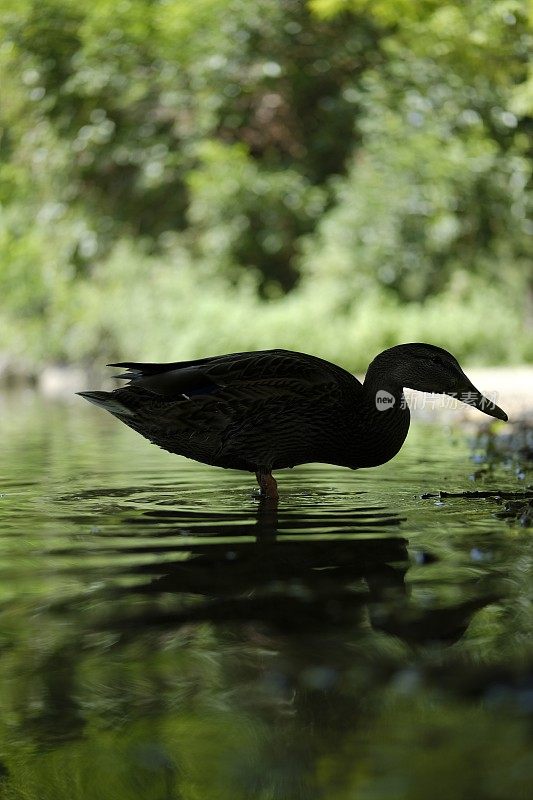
{"points": [[164, 635]]}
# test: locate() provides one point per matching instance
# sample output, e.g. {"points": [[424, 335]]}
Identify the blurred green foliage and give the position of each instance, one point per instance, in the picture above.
{"points": [[178, 178]]}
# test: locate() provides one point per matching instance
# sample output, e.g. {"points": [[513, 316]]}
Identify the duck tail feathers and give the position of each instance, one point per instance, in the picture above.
{"points": [[107, 401]]}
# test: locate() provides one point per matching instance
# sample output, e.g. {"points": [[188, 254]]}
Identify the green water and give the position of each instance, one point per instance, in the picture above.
{"points": [[163, 635]]}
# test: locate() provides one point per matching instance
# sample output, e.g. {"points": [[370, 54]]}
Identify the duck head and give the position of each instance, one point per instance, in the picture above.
{"points": [[428, 368]]}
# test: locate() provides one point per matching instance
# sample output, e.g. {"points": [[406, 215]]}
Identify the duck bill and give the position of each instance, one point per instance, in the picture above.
{"points": [[473, 397]]}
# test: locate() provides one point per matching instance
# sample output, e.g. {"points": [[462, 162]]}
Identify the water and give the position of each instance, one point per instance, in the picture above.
{"points": [[164, 635]]}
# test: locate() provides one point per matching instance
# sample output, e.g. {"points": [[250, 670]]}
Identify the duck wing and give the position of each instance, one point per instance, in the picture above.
{"points": [[245, 373]]}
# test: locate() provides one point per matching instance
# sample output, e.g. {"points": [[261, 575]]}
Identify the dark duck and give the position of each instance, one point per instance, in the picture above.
{"points": [[273, 409]]}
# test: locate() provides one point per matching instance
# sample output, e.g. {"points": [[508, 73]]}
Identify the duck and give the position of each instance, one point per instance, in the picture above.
{"points": [[268, 410]]}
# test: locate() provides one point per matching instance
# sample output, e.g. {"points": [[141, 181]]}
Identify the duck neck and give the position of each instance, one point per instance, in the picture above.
{"points": [[383, 392], [387, 416]]}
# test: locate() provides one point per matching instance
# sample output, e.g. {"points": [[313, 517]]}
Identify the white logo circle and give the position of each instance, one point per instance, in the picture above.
{"points": [[384, 400]]}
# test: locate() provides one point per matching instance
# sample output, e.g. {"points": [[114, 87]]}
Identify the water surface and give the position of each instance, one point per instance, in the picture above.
{"points": [[163, 634]]}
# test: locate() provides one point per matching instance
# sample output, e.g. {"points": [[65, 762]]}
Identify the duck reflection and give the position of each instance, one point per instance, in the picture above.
{"points": [[295, 571]]}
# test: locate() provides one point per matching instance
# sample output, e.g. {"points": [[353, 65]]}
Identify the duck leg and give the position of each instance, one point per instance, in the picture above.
{"points": [[267, 485]]}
